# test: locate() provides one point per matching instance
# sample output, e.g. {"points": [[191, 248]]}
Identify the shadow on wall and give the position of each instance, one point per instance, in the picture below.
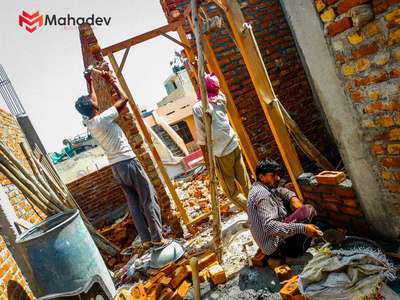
{"points": [[16, 292]]}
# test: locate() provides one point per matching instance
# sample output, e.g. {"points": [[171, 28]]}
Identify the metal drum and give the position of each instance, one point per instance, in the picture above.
{"points": [[62, 255]]}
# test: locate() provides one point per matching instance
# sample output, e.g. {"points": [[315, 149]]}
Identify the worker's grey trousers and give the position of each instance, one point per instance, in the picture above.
{"points": [[141, 196]]}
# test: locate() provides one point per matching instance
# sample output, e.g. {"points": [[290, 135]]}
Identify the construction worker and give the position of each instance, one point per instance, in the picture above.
{"points": [[230, 167], [127, 170], [278, 220]]}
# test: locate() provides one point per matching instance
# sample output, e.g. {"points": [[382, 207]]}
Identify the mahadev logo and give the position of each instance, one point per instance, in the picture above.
{"points": [[32, 21]]}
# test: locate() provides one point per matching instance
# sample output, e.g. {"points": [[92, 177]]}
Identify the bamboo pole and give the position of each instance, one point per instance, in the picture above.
{"points": [[35, 200], [149, 141], [250, 52], [207, 119], [194, 266]]}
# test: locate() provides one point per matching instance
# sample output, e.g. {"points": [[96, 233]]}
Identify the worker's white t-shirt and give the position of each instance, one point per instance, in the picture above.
{"points": [[110, 136]]}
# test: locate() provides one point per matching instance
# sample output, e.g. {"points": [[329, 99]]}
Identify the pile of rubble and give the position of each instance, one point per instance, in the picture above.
{"points": [[195, 196], [175, 279], [122, 233]]}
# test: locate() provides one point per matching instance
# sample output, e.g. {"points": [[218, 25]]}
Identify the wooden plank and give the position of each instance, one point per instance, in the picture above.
{"points": [[190, 55], [252, 57], [141, 38], [149, 141]]}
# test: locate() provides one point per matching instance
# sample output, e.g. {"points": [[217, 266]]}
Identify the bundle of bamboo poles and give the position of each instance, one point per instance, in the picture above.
{"points": [[44, 189]]}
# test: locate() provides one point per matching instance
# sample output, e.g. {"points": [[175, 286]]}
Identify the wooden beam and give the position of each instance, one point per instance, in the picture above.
{"points": [[174, 40], [122, 64], [255, 65], [141, 38], [149, 141]]}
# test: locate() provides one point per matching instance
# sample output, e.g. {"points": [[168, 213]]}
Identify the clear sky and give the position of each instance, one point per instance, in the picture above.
{"points": [[46, 66]]}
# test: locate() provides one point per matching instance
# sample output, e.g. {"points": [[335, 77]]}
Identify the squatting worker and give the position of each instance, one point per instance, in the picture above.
{"points": [[278, 220], [231, 171], [127, 170]]}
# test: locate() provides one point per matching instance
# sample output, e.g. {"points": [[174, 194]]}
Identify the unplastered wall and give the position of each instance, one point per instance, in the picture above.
{"points": [[99, 196], [285, 69]]}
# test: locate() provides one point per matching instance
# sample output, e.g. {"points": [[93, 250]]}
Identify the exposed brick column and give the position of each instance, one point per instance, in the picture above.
{"points": [[91, 54]]}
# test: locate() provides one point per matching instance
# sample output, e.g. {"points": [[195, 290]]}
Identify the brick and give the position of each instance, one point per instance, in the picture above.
{"points": [[290, 288], [352, 211], [348, 70], [394, 37], [182, 291], [372, 29], [386, 121], [391, 135], [346, 5], [375, 95], [164, 280], [207, 260], [351, 202], [339, 26], [391, 162], [357, 96], [393, 15], [374, 77], [362, 65], [331, 207], [330, 2], [179, 275], [378, 149], [365, 50], [259, 259], [394, 188], [341, 59], [393, 148], [339, 218], [217, 274], [355, 38], [328, 15], [166, 294], [361, 15], [319, 5], [283, 272]]}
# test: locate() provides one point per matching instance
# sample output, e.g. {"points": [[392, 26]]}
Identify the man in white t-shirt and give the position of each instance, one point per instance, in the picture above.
{"points": [[127, 170]]}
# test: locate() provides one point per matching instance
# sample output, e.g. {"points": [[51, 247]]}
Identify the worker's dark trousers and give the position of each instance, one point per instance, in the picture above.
{"points": [[141, 196]]}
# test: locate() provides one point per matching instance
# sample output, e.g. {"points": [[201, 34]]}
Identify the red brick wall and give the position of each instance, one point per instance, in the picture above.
{"points": [[98, 194], [364, 37], [286, 72], [337, 205]]}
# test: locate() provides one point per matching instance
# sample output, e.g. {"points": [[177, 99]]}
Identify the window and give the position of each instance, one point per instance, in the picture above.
{"points": [[183, 131]]}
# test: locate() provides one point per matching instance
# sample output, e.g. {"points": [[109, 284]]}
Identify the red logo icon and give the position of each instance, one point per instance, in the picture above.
{"points": [[31, 21]]}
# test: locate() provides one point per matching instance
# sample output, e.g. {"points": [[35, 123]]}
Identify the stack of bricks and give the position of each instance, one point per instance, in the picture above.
{"points": [[91, 55], [364, 36], [12, 283], [98, 194], [286, 72], [337, 205]]}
